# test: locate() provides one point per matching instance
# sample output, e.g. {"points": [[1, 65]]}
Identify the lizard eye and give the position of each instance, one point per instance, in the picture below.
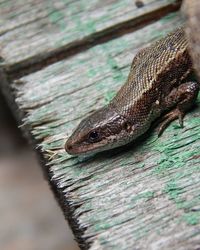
{"points": [[94, 136], [127, 127]]}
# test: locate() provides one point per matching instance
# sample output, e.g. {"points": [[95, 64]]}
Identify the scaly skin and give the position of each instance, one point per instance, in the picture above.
{"points": [[155, 85]]}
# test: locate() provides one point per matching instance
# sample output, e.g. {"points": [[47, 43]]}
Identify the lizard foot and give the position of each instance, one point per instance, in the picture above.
{"points": [[169, 117], [182, 97]]}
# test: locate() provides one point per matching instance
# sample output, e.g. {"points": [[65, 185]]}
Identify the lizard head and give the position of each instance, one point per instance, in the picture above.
{"points": [[102, 130]]}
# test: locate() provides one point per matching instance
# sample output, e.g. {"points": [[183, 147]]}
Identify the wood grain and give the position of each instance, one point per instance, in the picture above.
{"points": [[145, 196], [36, 31], [191, 10]]}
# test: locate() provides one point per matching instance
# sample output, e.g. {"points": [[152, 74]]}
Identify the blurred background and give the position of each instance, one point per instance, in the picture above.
{"points": [[30, 217]]}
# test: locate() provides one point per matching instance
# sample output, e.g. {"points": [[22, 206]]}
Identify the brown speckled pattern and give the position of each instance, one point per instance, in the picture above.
{"points": [[156, 73]]}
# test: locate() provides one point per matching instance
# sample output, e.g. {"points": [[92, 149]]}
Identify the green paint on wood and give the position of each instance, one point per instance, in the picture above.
{"points": [[145, 195], [192, 218], [90, 25], [169, 17], [91, 72], [173, 190], [109, 96], [57, 17]]}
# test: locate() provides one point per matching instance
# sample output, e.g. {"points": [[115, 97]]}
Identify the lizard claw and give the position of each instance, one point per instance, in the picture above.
{"points": [[169, 117]]}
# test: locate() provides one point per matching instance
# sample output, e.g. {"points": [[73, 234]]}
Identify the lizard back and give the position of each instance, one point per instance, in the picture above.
{"points": [[155, 70]]}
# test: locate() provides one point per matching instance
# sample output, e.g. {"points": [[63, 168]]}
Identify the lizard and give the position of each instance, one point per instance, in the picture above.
{"points": [[156, 85]]}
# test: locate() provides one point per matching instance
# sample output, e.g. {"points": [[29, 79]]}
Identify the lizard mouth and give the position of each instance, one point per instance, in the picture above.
{"points": [[78, 150], [74, 149]]}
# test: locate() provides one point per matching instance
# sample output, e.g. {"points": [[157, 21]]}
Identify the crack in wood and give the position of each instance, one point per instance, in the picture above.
{"points": [[36, 63]]}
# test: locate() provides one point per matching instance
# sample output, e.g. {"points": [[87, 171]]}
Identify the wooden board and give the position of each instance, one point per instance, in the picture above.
{"points": [[191, 11], [35, 31], [146, 196]]}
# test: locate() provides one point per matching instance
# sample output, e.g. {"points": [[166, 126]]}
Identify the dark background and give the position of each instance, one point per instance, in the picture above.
{"points": [[30, 217]]}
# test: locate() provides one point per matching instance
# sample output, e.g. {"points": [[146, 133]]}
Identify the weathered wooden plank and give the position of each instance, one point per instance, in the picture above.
{"points": [[143, 197], [192, 12], [32, 31]]}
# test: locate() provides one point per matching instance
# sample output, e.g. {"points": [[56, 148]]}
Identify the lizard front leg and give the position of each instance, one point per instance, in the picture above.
{"points": [[180, 99]]}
